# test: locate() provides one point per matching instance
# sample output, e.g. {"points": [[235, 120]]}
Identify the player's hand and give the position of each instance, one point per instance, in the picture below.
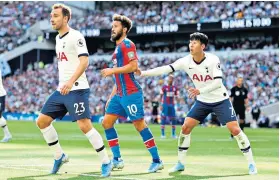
{"points": [[66, 88], [138, 72], [193, 92], [107, 72]]}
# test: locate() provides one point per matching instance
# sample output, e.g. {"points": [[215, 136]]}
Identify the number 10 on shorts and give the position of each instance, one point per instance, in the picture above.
{"points": [[132, 109]]}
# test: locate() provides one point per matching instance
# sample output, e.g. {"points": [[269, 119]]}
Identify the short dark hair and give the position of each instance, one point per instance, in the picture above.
{"points": [[66, 10], [199, 37], [125, 21]]}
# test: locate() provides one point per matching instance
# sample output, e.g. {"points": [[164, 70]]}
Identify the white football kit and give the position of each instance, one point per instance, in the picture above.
{"points": [[202, 75], [69, 48]]}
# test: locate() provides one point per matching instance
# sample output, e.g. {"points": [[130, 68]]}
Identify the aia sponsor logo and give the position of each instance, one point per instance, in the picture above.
{"points": [[201, 78], [61, 56]]}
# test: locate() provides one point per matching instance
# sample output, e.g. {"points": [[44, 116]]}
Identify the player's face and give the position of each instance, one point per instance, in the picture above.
{"points": [[239, 81], [196, 47], [170, 80], [57, 19], [117, 31]]}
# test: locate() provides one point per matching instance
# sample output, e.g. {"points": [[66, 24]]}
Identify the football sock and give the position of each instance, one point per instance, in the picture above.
{"points": [[112, 138], [183, 146], [51, 138], [96, 141], [244, 145], [3, 124], [150, 144]]}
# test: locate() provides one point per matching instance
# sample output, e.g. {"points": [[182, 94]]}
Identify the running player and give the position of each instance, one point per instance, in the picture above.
{"points": [[126, 98], [205, 71], [72, 94], [168, 95]]}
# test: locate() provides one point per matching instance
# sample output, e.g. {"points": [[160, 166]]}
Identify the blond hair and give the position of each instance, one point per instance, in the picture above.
{"points": [[66, 10], [126, 22]]}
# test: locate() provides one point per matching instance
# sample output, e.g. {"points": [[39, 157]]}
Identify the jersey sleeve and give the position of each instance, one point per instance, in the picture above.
{"points": [[178, 65], [81, 46], [129, 51], [217, 70], [246, 94]]}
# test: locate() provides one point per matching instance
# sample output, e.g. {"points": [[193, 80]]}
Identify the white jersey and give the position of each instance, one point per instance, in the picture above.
{"points": [[69, 48], [203, 74], [2, 90]]}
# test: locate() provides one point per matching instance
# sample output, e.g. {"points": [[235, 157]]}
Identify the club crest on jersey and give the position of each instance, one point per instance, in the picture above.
{"points": [[61, 56], [219, 66], [80, 43], [201, 78], [131, 55]]}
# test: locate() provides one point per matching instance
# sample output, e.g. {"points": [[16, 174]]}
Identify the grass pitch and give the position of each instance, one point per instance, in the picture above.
{"points": [[211, 155]]}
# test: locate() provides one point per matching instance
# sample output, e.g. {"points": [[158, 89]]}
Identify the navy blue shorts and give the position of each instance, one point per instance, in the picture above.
{"points": [[168, 110], [2, 105], [76, 103], [223, 109], [131, 106]]}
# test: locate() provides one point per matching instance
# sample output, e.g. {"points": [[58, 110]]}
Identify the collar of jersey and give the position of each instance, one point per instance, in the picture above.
{"points": [[200, 61], [63, 35]]}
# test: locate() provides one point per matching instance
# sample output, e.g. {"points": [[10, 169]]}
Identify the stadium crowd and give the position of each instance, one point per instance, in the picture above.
{"points": [[17, 17], [27, 91]]}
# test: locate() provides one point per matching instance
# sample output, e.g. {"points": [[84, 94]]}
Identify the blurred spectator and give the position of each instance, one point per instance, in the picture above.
{"points": [[17, 16]]}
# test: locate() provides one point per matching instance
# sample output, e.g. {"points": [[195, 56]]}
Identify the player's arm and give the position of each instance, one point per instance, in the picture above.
{"points": [[131, 67], [129, 54], [246, 101], [114, 91], [177, 65], [232, 92]]}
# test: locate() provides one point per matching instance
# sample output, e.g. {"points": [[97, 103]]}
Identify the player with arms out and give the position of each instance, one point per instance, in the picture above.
{"points": [[126, 98], [168, 94], [72, 94], [3, 123], [211, 96]]}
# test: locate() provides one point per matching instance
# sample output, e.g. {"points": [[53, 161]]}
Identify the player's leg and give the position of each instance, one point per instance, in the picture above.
{"points": [[3, 123], [113, 112], [96, 141], [197, 114], [242, 119], [162, 125], [77, 104], [226, 115], [172, 117], [134, 107], [53, 109]]}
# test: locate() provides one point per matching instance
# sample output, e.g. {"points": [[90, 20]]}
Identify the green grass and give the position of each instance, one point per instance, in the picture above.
{"points": [[211, 155]]}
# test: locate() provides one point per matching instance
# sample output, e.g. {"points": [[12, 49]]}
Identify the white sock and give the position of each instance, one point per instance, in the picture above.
{"points": [[3, 124], [183, 146], [244, 145], [51, 138], [96, 141]]}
